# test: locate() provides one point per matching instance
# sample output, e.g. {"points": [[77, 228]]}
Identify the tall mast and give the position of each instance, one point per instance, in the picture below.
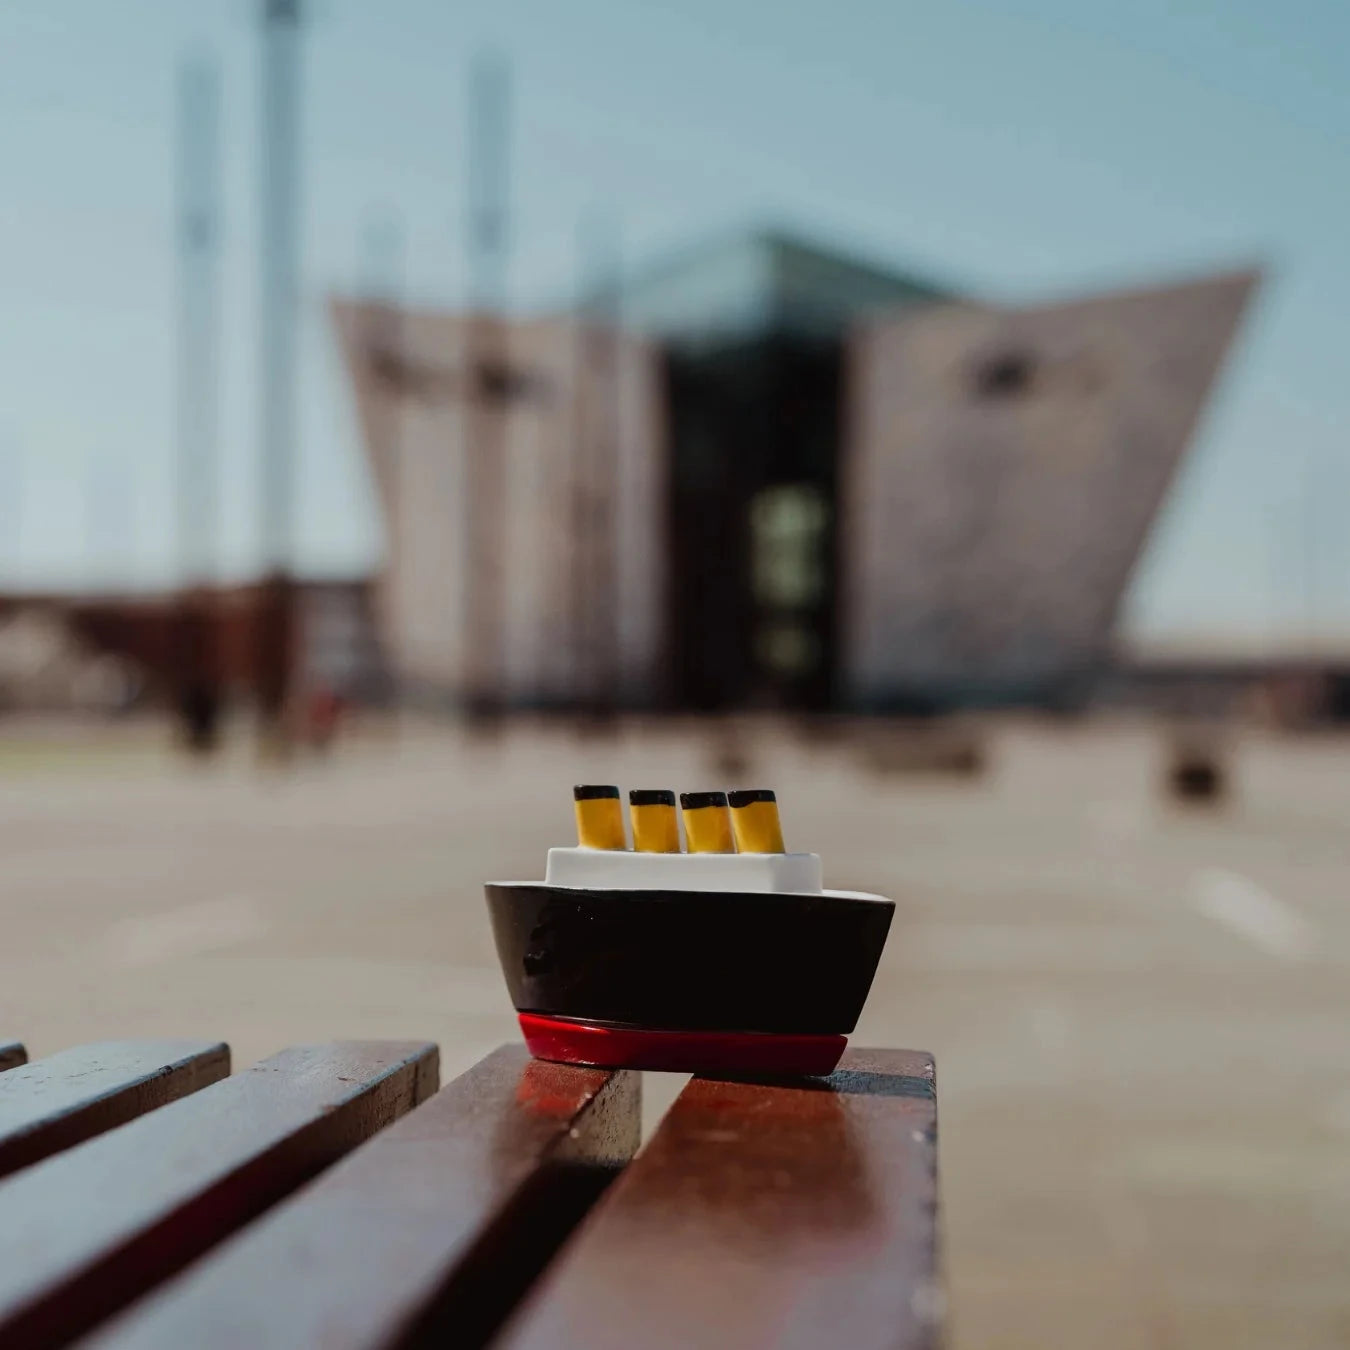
{"points": [[487, 388], [197, 654], [279, 309], [198, 411]]}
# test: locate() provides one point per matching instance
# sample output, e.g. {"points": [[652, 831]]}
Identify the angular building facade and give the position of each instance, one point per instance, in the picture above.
{"points": [[576, 439], [788, 479], [1004, 470]]}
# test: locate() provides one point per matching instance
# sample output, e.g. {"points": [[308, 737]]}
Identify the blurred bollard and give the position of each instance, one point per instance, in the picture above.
{"points": [[324, 708], [274, 654], [729, 752], [939, 745], [1197, 767], [197, 682]]}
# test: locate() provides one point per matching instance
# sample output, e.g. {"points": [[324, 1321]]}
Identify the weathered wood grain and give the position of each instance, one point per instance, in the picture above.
{"points": [[84, 1233], [427, 1234], [785, 1215], [57, 1102]]}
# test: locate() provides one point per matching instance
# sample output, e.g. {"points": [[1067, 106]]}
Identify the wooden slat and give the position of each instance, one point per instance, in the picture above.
{"points": [[66, 1098], [784, 1216], [12, 1054], [429, 1232], [85, 1232]]}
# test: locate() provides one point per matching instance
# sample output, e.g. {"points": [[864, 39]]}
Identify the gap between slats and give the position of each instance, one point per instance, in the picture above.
{"points": [[84, 1233]]}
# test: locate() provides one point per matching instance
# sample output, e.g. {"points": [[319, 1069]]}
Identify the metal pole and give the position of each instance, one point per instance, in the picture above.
{"points": [[383, 282], [198, 676], [595, 576], [488, 388], [280, 248]]}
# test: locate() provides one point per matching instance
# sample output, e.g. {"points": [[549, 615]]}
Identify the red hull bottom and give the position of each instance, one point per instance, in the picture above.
{"points": [[713, 1052]]}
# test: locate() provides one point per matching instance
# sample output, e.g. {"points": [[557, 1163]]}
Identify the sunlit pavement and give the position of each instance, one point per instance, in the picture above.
{"points": [[1141, 1015]]}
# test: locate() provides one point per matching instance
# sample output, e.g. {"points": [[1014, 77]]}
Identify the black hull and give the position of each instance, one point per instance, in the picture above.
{"points": [[689, 960]]}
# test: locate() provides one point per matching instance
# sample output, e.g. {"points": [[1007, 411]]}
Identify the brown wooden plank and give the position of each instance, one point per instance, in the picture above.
{"points": [[784, 1216], [66, 1098], [12, 1054], [431, 1231], [85, 1232]]}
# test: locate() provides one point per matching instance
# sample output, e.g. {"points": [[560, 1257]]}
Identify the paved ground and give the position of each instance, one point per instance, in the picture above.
{"points": [[1140, 1015]]}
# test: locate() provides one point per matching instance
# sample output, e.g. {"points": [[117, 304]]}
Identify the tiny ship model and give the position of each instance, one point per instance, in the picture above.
{"points": [[729, 957]]}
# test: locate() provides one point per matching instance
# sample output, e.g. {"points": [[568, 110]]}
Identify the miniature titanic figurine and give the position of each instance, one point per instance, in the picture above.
{"points": [[728, 958]]}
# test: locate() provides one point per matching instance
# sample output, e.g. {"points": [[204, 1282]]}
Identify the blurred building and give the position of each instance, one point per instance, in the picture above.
{"points": [[579, 447], [107, 651], [46, 665], [1004, 470], [786, 479]]}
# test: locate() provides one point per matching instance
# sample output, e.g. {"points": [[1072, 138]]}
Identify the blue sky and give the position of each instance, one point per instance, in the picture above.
{"points": [[1022, 151]]}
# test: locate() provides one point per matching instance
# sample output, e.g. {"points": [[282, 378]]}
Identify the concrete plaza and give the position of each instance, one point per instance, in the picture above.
{"points": [[1141, 1015]]}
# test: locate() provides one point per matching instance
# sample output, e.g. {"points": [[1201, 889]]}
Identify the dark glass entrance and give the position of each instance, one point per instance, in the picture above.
{"points": [[754, 440]]}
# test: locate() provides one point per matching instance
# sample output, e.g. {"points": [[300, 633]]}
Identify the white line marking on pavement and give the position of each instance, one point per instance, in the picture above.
{"points": [[1250, 911]]}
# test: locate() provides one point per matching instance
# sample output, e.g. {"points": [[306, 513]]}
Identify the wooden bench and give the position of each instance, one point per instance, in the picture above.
{"points": [[332, 1196]]}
